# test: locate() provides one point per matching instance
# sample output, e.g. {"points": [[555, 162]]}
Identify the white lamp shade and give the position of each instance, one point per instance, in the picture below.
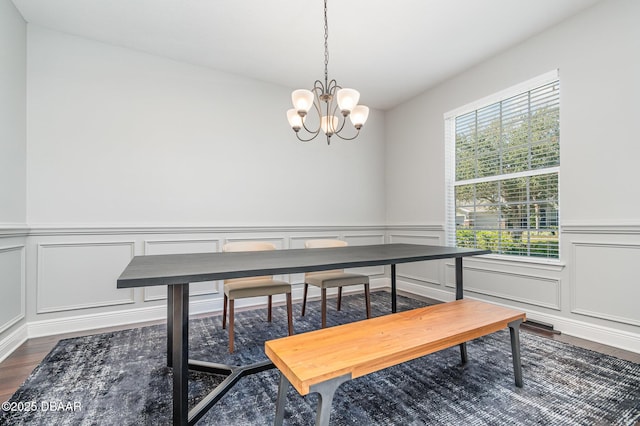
{"points": [[294, 119], [302, 100], [359, 116], [329, 124], [348, 99]]}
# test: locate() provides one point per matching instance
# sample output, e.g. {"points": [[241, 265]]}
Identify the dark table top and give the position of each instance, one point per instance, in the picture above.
{"points": [[194, 267]]}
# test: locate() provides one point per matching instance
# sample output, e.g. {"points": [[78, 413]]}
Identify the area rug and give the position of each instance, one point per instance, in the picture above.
{"points": [[120, 378]]}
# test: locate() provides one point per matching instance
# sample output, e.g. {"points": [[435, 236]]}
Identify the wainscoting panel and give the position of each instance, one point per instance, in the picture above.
{"points": [[432, 240], [526, 288], [81, 275], [177, 247], [606, 281], [72, 268], [12, 301]]}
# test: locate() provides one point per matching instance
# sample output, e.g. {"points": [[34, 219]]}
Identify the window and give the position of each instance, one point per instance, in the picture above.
{"points": [[503, 166]]}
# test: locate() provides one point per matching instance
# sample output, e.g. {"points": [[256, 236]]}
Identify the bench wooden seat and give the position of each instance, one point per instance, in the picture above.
{"points": [[321, 360]]}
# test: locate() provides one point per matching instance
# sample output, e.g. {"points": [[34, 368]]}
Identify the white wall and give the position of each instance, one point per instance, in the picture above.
{"points": [[121, 137], [594, 289], [12, 115], [12, 176]]}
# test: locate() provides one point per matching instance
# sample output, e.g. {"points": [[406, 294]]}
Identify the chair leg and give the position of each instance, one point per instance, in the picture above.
{"points": [[367, 300], [304, 298], [224, 312], [339, 299], [231, 326], [324, 307], [269, 308], [290, 313]]}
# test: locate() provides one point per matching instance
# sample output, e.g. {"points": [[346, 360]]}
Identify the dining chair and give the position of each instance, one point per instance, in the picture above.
{"points": [[335, 278], [240, 288]]}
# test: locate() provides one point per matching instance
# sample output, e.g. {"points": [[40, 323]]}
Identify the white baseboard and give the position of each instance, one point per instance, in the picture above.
{"points": [[13, 341], [596, 333], [111, 319], [593, 332]]}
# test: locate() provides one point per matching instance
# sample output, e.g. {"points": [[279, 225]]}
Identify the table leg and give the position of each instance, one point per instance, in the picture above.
{"points": [[169, 325], [460, 295], [394, 307], [459, 288], [180, 352]]}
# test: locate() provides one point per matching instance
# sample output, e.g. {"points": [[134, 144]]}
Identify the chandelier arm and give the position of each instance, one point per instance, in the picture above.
{"points": [[332, 87], [344, 120], [318, 85], [314, 132], [341, 117], [348, 139], [311, 132], [317, 88], [307, 140]]}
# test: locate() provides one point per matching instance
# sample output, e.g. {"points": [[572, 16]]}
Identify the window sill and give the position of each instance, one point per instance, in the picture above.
{"points": [[528, 262]]}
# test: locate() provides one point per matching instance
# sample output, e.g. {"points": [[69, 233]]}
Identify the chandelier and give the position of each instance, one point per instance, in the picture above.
{"points": [[332, 103]]}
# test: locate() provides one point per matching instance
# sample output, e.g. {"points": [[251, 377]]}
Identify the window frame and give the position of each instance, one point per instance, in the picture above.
{"points": [[450, 162]]}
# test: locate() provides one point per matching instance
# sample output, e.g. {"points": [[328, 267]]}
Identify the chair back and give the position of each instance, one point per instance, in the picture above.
{"points": [[324, 243], [237, 246]]}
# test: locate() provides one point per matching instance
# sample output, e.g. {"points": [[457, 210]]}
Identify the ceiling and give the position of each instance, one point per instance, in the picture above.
{"points": [[389, 51]]}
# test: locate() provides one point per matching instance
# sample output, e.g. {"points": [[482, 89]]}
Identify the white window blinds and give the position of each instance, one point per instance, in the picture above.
{"points": [[503, 167]]}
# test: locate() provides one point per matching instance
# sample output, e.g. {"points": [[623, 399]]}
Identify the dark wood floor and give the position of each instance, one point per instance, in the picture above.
{"points": [[17, 367]]}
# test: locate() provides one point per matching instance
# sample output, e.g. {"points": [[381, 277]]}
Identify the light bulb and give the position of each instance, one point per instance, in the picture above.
{"points": [[302, 100], [347, 100], [329, 124], [294, 119], [359, 116]]}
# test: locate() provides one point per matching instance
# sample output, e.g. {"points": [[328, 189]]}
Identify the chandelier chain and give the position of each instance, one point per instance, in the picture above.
{"points": [[326, 45]]}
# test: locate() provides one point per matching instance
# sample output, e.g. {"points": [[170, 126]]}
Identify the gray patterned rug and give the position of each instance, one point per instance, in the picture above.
{"points": [[120, 378]]}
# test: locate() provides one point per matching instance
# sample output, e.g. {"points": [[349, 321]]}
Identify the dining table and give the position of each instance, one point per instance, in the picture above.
{"points": [[177, 271]]}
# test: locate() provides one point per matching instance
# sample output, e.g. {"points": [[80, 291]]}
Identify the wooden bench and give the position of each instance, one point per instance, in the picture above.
{"points": [[321, 360]]}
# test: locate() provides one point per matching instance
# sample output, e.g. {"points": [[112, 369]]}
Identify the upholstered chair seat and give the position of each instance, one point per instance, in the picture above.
{"points": [[240, 288], [335, 278]]}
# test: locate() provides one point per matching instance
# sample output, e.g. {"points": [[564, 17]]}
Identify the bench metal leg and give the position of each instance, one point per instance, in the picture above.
{"points": [[463, 353], [325, 391], [282, 399], [514, 329]]}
